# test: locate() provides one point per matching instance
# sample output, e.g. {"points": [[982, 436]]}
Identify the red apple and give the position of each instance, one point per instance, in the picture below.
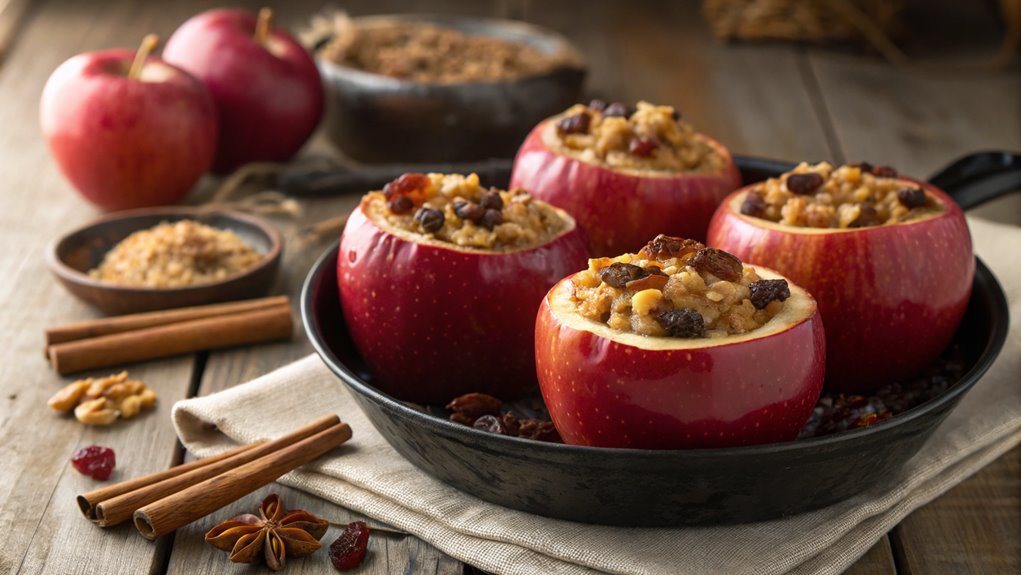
{"points": [[608, 388], [892, 295], [265, 84], [434, 321], [128, 137], [620, 210]]}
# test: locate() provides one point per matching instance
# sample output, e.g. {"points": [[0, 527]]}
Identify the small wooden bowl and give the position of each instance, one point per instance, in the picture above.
{"points": [[71, 256]]}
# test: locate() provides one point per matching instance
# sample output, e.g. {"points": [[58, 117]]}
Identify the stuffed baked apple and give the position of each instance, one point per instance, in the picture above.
{"points": [[440, 280], [678, 346], [626, 175], [889, 260]]}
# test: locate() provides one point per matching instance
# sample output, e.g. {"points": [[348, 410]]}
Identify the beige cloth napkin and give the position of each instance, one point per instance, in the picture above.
{"points": [[367, 475]]}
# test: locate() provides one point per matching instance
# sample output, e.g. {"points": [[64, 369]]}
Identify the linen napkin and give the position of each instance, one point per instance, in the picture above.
{"points": [[371, 478]]}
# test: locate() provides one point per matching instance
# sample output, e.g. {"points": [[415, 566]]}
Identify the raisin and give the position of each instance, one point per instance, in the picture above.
{"points": [[95, 461], [721, 264], [474, 405], [754, 204], [400, 205], [597, 105], [884, 172], [406, 184], [651, 281], [675, 114], [431, 220], [348, 550], [576, 124], [912, 197], [490, 423], [765, 291], [469, 210], [510, 424], [619, 274], [804, 183], [539, 430], [491, 200], [867, 216], [617, 109], [666, 247], [655, 271], [863, 166], [682, 322], [643, 147], [491, 219]]}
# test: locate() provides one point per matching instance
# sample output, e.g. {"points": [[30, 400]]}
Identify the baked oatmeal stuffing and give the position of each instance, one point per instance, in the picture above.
{"points": [[428, 53], [649, 137], [852, 196], [679, 288], [456, 209], [176, 254]]}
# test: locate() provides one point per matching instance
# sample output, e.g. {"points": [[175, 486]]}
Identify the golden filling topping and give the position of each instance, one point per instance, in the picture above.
{"points": [[455, 209], [647, 138], [678, 288], [822, 196]]}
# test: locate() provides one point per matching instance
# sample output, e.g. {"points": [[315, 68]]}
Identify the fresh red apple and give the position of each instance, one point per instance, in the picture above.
{"points": [[608, 388], [620, 210], [128, 135], [265, 84], [891, 295], [434, 321]]}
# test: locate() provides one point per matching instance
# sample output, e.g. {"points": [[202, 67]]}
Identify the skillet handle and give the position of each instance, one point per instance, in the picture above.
{"points": [[977, 178]]}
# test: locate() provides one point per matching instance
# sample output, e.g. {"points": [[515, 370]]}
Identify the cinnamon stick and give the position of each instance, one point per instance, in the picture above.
{"points": [[136, 321], [203, 498], [172, 339], [115, 504]]}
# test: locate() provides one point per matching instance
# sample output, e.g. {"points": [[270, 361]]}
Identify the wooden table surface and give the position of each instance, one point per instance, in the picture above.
{"points": [[775, 100]]}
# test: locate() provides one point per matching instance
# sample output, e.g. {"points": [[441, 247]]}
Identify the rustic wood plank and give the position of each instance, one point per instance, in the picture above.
{"points": [[13, 14], [45, 532]]}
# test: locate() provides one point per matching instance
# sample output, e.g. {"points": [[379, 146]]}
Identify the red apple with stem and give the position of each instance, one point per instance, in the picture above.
{"points": [[619, 210], [608, 388], [891, 295], [264, 83], [433, 320], [127, 129]]}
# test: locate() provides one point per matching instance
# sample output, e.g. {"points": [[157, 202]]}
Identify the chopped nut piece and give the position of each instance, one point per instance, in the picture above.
{"points": [[101, 401], [96, 412], [67, 398], [130, 405]]}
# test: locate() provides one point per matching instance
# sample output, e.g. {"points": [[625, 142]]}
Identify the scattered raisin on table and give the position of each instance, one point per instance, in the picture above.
{"points": [[491, 200], [491, 219], [469, 211], [721, 264], [619, 274], [617, 109], [884, 172], [682, 322], [474, 406], [431, 220], [804, 183], [95, 461], [348, 550], [642, 147], [912, 197], [766, 291], [867, 216], [576, 124], [400, 204]]}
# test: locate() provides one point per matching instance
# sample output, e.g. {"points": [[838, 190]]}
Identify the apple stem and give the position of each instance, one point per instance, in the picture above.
{"points": [[148, 45], [262, 26]]}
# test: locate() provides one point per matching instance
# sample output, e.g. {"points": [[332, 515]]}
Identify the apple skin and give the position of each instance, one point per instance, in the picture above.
{"points": [[128, 143], [892, 296], [434, 322], [604, 393], [270, 98], [620, 211]]}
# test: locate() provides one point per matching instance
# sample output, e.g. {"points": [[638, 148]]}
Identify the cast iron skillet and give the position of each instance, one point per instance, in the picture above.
{"points": [[653, 488]]}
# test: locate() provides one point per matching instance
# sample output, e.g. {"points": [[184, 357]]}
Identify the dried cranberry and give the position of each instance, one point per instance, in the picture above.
{"points": [[475, 405], [665, 247], [400, 205], [912, 197], [491, 200], [617, 109], [406, 184], [490, 423], [765, 291], [804, 183], [721, 264], [431, 220], [491, 219], [619, 274], [95, 461], [576, 124], [643, 147], [682, 322], [597, 105], [867, 216], [754, 204], [469, 210], [349, 548], [884, 172]]}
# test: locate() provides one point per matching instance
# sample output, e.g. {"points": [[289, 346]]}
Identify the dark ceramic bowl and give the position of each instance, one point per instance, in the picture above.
{"points": [[654, 488], [71, 256], [375, 118]]}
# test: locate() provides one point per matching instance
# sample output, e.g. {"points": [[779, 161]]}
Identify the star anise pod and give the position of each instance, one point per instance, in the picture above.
{"points": [[275, 533]]}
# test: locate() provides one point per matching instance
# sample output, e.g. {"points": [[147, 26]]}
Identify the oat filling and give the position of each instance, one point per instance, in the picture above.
{"points": [[647, 138], [455, 209], [851, 196], [677, 288]]}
